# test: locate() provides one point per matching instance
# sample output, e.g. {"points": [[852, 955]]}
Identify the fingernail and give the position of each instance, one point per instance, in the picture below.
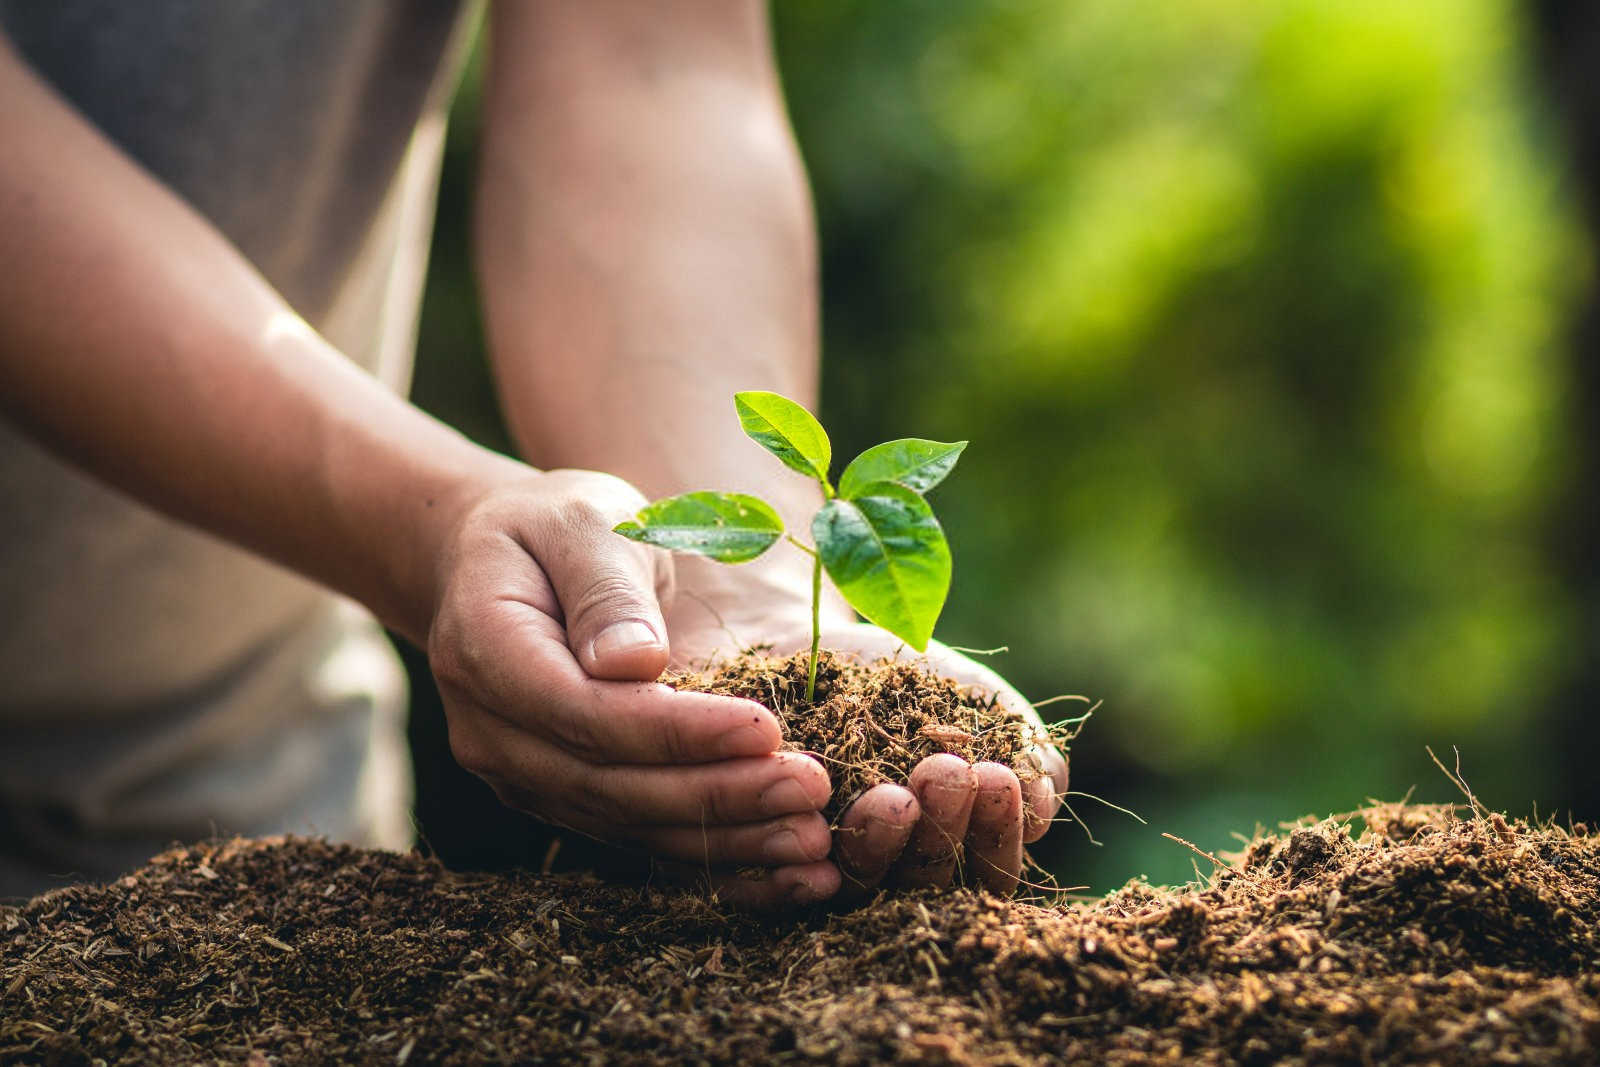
{"points": [[787, 797], [629, 635], [783, 847]]}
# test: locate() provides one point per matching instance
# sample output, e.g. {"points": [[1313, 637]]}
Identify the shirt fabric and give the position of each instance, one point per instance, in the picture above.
{"points": [[156, 683]]}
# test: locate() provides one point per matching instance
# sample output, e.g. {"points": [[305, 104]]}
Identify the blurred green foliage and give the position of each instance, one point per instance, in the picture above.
{"points": [[1254, 314]]}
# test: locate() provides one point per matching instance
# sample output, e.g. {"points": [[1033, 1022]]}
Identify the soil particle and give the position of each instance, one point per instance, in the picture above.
{"points": [[872, 723], [1395, 935], [1309, 852]]}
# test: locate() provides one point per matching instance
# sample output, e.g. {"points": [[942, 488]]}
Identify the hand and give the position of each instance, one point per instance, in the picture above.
{"points": [[546, 639], [952, 818]]}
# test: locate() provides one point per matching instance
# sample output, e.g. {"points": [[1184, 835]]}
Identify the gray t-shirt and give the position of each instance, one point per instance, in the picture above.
{"points": [[156, 683]]}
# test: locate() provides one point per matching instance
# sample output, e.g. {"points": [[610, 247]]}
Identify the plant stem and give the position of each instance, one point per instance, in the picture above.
{"points": [[816, 624], [816, 610]]}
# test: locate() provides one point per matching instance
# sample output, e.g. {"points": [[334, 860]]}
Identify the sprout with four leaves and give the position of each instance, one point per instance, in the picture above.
{"points": [[875, 534]]}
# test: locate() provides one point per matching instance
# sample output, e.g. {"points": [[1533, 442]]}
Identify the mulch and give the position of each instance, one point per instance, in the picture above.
{"points": [[870, 723], [1398, 934]]}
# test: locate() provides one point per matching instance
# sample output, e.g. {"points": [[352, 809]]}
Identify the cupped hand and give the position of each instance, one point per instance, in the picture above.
{"points": [[546, 641], [953, 819]]}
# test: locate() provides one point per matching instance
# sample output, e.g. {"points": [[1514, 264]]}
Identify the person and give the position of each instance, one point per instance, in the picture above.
{"points": [[213, 219]]}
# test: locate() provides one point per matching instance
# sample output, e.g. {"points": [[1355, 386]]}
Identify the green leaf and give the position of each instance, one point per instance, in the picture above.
{"points": [[728, 527], [914, 463], [787, 430], [888, 556]]}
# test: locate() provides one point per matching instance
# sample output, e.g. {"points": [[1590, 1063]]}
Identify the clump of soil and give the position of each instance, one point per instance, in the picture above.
{"points": [[1397, 935], [872, 722]]}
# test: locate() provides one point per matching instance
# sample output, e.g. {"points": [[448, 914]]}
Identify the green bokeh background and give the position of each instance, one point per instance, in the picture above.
{"points": [[1258, 318]]}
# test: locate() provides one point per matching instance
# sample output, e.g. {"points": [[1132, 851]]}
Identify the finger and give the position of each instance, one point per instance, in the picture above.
{"points": [[794, 839], [873, 832], [516, 662], [807, 884], [1042, 796], [1038, 808], [945, 787], [713, 794], [994, 833], [613, 801], [1055, 764], [606, 585], [798, 884]]}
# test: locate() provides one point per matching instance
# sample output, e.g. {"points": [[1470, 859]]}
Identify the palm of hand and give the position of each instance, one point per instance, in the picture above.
{"points": [[952, 819]]}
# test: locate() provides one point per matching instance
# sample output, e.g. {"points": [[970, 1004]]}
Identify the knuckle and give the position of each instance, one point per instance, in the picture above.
{"points": [[579, 513], [717, 802], [581, 736], [583, 506], [609, 492], [449, 663], [674, 741], [444, 648], [579, 739], [455, 656], [610, 591]]}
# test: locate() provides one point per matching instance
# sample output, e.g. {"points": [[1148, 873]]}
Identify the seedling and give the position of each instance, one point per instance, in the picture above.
{"points": [[875, 534]]}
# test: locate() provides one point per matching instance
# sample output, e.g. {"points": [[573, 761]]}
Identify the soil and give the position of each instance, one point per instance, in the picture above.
{"points": [[1394, 935], [872, 722]]}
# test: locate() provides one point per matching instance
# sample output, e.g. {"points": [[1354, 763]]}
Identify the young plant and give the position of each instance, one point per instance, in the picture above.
{"points": [[875, 535]]}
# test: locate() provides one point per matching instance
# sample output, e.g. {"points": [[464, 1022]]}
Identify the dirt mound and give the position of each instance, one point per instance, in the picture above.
{"points": [[1398, 935], [871, 723]]}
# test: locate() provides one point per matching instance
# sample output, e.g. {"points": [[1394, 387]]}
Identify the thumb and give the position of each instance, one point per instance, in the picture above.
{"points": [[607, 589], [613, 619]]}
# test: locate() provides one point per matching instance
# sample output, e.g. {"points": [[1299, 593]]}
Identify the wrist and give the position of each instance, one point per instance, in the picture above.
{"points": [[424, 530]]}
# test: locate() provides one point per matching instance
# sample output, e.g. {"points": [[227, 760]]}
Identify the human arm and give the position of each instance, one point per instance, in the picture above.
{"points": [[136, 341], [646, 248]]}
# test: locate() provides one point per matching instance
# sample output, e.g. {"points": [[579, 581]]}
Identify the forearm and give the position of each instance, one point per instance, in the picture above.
{"points": [[646, 245], [136, 341]]}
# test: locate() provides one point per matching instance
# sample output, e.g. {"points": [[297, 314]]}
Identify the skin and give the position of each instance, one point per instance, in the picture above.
{"points": [[646, 247]]}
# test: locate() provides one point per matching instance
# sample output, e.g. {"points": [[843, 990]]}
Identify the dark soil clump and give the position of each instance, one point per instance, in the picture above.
{"points": [[1422, 938], [872, 723]]}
